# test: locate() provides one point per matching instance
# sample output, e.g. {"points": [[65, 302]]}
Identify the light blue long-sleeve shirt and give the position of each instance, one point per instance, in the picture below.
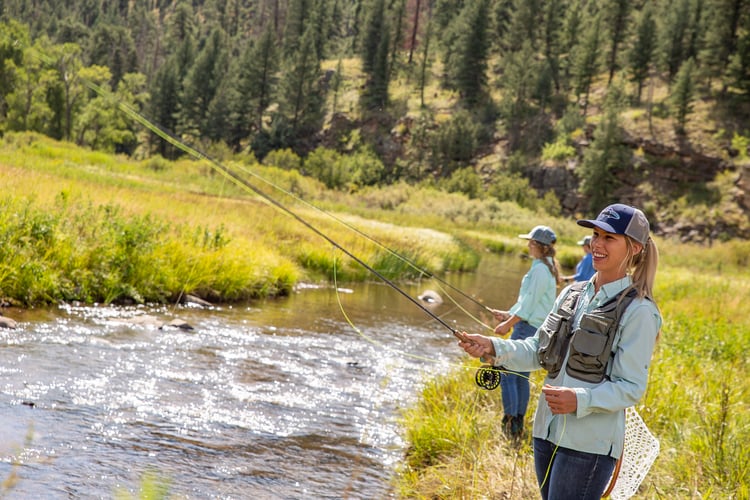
{"points": [[536, 295], [598, 425]]}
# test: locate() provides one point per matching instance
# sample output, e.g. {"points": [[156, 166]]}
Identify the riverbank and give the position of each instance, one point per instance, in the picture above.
{"points": [[82, 226]]}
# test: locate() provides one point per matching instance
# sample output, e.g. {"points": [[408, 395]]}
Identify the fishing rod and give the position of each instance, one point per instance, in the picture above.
{"points": [[234, 177], [487, 376], [403, 258]]}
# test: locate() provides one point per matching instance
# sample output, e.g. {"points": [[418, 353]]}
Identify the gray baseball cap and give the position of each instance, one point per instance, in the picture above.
{"points": [[541, 234]]}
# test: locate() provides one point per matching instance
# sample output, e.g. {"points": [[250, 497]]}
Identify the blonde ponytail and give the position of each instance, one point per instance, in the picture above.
{"points": [[643, 265]]}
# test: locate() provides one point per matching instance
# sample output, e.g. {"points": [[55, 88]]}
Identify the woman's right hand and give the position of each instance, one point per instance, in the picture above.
{"points": [[477, 346], [500, 315]]}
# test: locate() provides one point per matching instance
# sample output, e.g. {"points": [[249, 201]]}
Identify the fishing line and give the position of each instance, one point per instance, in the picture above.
{"points": [[425, 272], [234, 177], [487, 377], [361, 333]]}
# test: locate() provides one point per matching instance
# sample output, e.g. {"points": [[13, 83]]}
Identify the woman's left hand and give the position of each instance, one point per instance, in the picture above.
{"points": [[503, 328], [560, 399]]}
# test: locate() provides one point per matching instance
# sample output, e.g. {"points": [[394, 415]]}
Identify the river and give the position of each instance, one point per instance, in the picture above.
{"points": [[287, 398]]}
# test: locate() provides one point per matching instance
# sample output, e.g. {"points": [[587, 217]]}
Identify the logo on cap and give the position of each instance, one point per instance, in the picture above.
{"points": [[610, 213]]}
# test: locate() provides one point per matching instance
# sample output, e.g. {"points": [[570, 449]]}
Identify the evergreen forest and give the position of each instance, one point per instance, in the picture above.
{"points": [[470, 95]]}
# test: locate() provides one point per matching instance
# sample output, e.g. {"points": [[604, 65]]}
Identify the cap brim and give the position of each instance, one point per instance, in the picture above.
{"points": [[525, 236], [597, 223]]}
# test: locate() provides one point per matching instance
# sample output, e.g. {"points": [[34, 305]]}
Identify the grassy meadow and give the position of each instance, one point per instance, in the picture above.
{"points": [[83, 226]]}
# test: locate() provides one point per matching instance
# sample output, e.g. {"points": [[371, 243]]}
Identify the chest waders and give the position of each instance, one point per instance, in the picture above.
{"points": [[590, 345]]}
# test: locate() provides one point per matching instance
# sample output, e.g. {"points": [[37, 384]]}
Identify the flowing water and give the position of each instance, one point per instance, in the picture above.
{"points": [[290, 398]]}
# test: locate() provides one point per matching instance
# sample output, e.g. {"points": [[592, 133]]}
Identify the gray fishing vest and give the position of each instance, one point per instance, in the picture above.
{"points": [[590, 345]]}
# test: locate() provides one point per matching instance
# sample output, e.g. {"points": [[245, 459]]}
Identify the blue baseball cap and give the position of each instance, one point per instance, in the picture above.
{"points": [[621, 219], [541, 234]]}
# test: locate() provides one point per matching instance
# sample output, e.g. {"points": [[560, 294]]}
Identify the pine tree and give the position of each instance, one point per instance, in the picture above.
{"points": [[398, 29], [223, 121], [414, 31], [738, 71], [520, 84], [113, 47], [552, 39], [375, 51], [606, 156], [165, 103], [682, 94], [524, 23], [722, 38], [641, 54], [201, 84], [375, 30], [571, 33], [301, 96], [257, 80], [672, 35], [297, 16], [468, 66], [502, 14], [616, 13], [586, 63], [426, 56]]}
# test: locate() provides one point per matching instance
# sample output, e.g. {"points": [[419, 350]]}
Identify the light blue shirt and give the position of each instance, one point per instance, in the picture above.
{"points": [[536, 295], [598, 425]]}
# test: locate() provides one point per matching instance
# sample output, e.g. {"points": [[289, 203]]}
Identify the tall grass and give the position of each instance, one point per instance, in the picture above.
{"points": [[98, 228]]}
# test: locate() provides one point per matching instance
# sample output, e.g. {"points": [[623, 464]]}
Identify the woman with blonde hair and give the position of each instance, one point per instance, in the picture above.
{"points": [[596, 346]]}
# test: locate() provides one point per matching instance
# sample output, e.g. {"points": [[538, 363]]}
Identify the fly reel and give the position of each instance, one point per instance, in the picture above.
{"points": [[488, 377]]}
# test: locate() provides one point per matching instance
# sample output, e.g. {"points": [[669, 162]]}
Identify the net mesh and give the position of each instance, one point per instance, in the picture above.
{"points": [[641, 449]]}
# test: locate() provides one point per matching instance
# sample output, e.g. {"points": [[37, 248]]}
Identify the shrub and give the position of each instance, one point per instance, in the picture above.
{"points": [[464, 180], [283, 158], [325, 165], [455, 142], [513, 187], [558, 150]]}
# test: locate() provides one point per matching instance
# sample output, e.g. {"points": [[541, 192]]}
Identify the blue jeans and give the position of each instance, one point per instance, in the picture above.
{"points": [[515, 385], [574, 475]]}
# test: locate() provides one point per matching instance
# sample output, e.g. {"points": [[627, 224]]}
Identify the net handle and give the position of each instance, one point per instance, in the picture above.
{"points": [[615, 474]]}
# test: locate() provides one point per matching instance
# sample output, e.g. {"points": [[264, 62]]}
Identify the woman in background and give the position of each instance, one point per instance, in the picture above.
{"points": [[535, 299]]}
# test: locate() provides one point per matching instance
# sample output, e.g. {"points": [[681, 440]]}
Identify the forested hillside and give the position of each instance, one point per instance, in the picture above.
{"points": [[560, 105]]}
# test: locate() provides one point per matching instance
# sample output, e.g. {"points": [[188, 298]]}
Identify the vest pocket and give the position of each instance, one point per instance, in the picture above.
{"points": [[551, 350], [589, 349]]}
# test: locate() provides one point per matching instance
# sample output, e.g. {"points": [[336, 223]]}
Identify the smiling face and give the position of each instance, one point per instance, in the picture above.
{"points": [[611, 254]]}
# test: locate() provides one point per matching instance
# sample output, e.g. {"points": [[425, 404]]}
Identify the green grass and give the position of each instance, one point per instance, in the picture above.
{"points": [[96, 228]]}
